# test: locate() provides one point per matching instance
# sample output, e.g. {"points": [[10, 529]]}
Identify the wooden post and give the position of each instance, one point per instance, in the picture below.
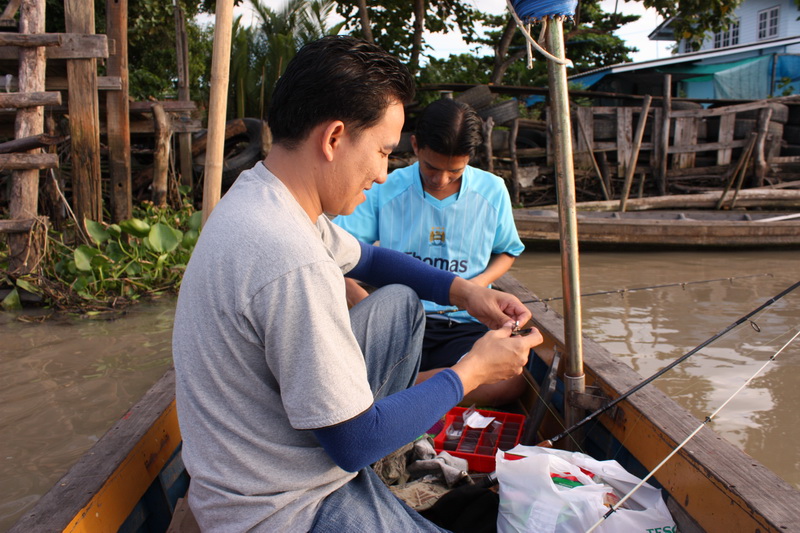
{"points": [[637, 144], [84, 118], [584, 144], [24, 197], [182, 52], [220, 74], [760, 171], [118, 113], [512, 149], [663, 151], [161, 155], [488, 126]]}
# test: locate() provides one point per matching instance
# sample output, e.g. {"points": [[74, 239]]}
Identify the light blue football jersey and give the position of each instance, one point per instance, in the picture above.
{"points": [[458, 234]]}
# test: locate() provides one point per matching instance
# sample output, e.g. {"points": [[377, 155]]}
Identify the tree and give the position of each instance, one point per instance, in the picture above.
{"points": [[259, 54], [590, 44], [398, 25]]}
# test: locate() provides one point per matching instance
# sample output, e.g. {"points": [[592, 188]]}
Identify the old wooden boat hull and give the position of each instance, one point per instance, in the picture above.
{"points": [[133, 477], [666, 228]]}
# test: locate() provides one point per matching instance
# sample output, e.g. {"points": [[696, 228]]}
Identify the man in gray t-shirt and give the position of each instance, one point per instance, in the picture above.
{"points": [[284, 395]]}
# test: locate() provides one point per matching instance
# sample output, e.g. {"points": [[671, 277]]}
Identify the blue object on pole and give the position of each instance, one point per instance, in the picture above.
{"points": [[535, 10]]}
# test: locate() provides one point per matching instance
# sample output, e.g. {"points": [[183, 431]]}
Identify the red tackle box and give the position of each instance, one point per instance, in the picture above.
{"points": [[479, 446]]}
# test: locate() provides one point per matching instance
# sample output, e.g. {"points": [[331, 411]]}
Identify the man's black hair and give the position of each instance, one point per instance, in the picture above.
{"points": [[449, 127], [336, 78]]}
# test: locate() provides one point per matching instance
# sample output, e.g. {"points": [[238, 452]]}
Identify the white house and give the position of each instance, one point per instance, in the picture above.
{"points": [[757, 56]]}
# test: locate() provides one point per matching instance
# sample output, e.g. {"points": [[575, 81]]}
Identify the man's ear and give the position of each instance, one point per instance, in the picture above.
{"points": [[414, 144], [332, 138]]}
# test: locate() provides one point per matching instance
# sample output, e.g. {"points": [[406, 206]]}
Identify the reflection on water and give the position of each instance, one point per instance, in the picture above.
{"points": [[64, 382], [649, 329]]}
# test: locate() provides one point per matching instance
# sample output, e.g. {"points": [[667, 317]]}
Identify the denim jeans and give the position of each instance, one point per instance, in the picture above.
{"points": [[389, 326]]}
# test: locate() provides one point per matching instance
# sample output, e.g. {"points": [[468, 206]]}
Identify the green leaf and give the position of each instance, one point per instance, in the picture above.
{"points": [[11, 302], [135, 227], [190, 238], [83, 257], [196, 220], [27, 286], [96, 231], [164, 238]]}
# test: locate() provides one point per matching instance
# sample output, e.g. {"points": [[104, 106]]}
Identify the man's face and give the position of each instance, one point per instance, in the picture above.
{"points": [[362, 161], [441, 174]]}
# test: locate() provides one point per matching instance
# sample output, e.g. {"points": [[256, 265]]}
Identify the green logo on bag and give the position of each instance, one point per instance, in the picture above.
{"points": [[665, 529]]}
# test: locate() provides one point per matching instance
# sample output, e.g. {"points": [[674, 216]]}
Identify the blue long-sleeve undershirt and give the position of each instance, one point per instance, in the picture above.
{"points": [[391, 422], [382, 266]]}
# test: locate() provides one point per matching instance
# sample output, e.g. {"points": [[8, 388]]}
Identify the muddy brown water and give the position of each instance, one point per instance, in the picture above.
{"points": [[63, 383]]}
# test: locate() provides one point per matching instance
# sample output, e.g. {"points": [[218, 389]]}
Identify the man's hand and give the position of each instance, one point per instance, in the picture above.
{"points": [[493, 308], [496, 356]]}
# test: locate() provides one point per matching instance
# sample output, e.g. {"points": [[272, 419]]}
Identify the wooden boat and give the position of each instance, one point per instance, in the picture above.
{"points": [[133, 478], [667, 228]]}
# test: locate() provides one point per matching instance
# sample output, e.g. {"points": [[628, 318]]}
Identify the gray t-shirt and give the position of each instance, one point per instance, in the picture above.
{"points": [[263, 351]]}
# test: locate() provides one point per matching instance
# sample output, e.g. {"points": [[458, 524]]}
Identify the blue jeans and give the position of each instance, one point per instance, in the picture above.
{"points": [[389, 326]]}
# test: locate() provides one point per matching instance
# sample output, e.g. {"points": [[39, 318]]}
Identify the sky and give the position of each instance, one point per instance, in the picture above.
{"points": [[634, 34]]}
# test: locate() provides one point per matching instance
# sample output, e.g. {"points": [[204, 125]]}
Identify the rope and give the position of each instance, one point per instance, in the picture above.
{"points": [[536, 10], [532, 42]]}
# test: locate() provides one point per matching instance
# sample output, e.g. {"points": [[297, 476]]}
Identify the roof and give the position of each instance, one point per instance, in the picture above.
{"points": [[690, 57]]}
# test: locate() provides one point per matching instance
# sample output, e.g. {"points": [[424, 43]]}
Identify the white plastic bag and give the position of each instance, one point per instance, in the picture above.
{"points": [[531, 502]]}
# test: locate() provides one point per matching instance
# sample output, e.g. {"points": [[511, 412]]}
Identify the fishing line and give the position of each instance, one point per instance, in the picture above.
{"points": [[691, 435], [682, 284], [670, 366]]}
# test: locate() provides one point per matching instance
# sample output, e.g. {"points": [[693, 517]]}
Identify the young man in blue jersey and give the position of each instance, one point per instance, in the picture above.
{"points": [[452, 216], [284, 396]]}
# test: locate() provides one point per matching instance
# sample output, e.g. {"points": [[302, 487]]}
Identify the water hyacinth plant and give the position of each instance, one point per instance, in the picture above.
{"points": [[117, 263]]}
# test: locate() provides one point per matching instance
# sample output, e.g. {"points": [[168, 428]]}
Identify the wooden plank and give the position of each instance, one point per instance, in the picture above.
{"points": [[30, 39], [73, 46], [104, 83], [177, 124], [28, 161], [170, 106], [726, 128], [720, 111], [16, 226], [29, 99], [704, 147], [10, 11], [99, 492], [584, 143], [685, 135], [624, 138], [118, 113], [662, 163], [84, 119], [184, 95], [29, 143], [24, 196]]}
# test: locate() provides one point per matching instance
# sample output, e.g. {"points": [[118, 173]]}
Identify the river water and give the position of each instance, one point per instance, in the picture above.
{"points": [[64, 382]]}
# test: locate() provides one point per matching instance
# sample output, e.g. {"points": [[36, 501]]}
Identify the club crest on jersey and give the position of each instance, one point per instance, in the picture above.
{"points": [[436, 236]]}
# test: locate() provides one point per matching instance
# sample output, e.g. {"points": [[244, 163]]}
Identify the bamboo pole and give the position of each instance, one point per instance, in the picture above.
{"points": [[217, 107], [637, 145], [663, 152], [568, 228]]}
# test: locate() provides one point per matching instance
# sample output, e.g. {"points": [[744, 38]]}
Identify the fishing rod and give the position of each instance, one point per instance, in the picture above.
{"points": [[690, 437], [676, 362], [683, 284]]}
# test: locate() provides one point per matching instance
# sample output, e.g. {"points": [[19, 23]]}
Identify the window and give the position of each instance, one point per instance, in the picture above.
{"points": [[729, 37], [768, 23]]}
